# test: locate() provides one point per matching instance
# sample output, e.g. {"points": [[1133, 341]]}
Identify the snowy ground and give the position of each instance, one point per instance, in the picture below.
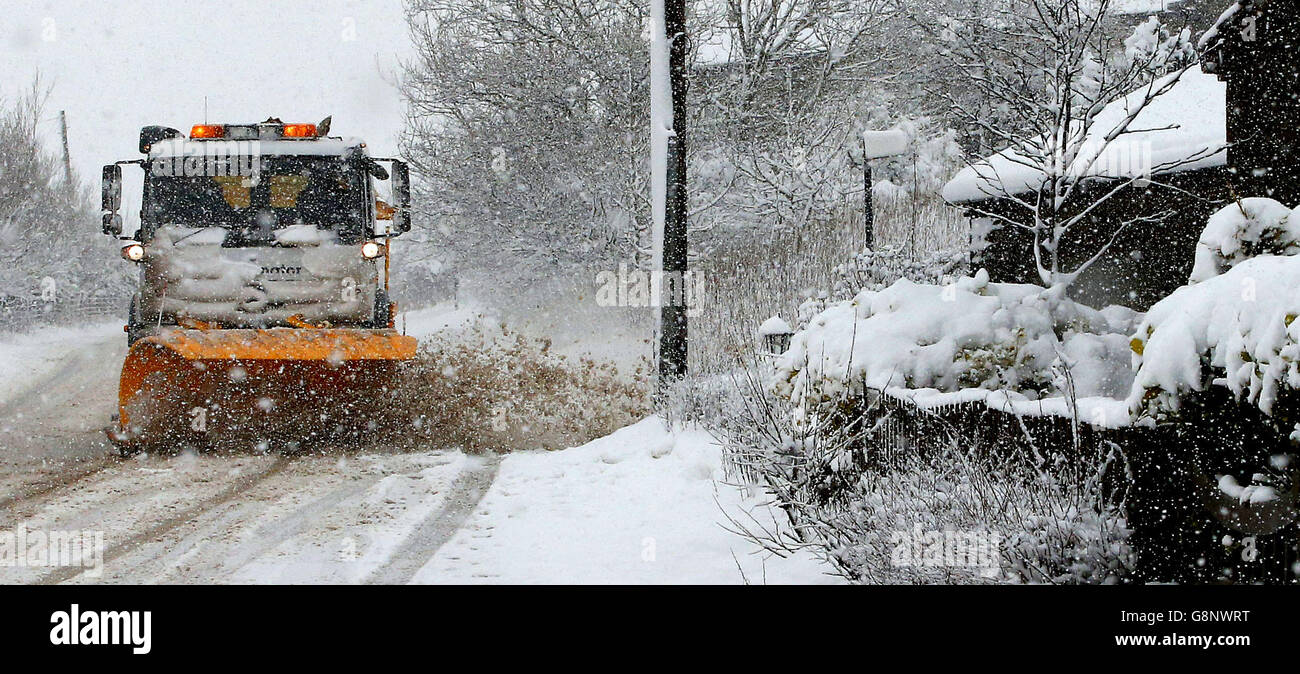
{"points": [[421, 323], [644, 505], [25, 357]]}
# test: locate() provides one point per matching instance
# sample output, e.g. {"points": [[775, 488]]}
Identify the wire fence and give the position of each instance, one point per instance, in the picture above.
{"points": [[20, 314]]}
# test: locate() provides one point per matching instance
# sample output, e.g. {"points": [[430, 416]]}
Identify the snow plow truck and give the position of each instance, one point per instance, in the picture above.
{"points": [[262, 307]]}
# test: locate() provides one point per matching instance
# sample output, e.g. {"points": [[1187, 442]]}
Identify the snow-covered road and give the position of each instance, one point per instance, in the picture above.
{"points": [[644, 505], [58, 387]]}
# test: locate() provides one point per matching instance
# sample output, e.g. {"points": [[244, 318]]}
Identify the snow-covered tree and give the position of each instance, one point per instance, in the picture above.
{"points": [[528, 130], [785, 90], [49, 233]]}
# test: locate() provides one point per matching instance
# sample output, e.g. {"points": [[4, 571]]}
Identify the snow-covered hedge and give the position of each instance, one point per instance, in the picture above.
{"points": [[1243, 230], [1233, 324], [874, 269], [964, 335], [877, 268], [1237, 327]]}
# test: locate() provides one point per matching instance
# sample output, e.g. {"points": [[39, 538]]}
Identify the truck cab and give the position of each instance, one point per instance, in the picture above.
{"points": [[260, 226]]}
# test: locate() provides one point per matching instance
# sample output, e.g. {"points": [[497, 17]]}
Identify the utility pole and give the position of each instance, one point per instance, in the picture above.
{"points": [[67, 158], [672, 316]]}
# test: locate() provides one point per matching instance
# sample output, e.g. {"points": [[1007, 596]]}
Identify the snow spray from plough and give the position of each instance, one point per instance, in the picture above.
{"points": [[262, 303]]}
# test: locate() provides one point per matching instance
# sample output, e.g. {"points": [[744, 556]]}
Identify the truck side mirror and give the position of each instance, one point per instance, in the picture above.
{"points": [[111, 198], [401, 195]]}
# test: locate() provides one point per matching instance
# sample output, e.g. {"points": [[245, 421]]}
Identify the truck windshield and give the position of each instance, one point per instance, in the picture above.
{"points": [[328, 192]]}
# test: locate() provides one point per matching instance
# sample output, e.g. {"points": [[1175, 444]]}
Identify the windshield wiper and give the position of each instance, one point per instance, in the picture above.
{"points": [[196, 231]]}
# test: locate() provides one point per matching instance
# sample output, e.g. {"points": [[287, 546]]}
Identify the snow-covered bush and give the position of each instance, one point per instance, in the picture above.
{"points": [[1057, 526], [1234, 323], [49, 234], [794, 274], [1237, 329], [811, 431], [968, 334], [1239, 231], [878, 268]]}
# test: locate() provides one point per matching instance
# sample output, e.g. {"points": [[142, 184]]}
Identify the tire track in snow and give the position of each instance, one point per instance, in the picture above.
{"points": [[28, 492], [24, 395], [51, 429], [271, 535], [435, 530], [117, 550]]}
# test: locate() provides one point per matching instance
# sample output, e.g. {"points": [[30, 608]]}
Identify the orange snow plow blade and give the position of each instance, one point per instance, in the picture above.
{"points": [[195, 384]]}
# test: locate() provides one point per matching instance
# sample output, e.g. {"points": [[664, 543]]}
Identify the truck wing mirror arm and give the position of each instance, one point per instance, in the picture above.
{"points": [[401, 195]]}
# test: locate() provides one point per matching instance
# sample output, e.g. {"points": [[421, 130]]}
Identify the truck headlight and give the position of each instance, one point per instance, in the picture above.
{"points": [[371, 250], [133, 252]]}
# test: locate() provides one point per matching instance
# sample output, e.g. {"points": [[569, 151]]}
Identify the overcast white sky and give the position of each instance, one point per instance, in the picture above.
{"points": [[117, 66]]}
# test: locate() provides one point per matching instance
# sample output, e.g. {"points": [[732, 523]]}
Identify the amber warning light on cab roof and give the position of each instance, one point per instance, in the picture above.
{"points": [[299, 130], [263, 131], [207, 131]]}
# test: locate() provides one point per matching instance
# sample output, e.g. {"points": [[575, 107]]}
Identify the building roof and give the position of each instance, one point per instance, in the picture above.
{"points": [[1184, 126]]}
